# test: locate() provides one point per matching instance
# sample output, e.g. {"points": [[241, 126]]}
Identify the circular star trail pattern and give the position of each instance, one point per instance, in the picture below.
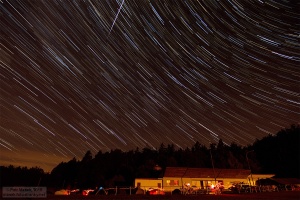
{"points": [[78, 75]]}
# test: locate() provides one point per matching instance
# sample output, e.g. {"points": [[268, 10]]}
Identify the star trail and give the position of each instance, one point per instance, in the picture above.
{"points": [[99, 75]]}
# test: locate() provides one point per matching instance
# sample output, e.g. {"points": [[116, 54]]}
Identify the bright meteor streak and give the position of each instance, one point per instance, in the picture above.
{"points": [[116, 17]]}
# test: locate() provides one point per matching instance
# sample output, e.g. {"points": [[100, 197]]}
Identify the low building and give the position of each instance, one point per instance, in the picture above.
{"points": [[202, 178], [255, 178], [146, 183], [288, 183]]}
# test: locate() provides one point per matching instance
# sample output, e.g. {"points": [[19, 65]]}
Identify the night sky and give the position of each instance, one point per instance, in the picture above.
{"points": [[121, 74]]}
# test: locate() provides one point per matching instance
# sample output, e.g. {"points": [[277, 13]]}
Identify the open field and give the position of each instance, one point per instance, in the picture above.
{"points": [[282, 195]]}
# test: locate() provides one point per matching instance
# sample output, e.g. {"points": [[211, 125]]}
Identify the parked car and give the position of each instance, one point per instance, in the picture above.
{"points": [[155, 191], [62, 192], [240, 188], [87, 192], [74, 191]]}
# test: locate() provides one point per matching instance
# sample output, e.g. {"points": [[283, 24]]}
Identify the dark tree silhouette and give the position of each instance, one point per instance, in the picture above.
{"points": [[22, 176], [278, 154]]}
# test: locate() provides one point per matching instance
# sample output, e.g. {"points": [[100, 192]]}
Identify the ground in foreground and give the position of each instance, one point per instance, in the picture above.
{"points": [[282, 195]]}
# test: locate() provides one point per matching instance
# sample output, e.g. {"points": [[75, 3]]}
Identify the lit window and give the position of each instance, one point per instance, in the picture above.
{"points": [[168, 182], [176, 182]]}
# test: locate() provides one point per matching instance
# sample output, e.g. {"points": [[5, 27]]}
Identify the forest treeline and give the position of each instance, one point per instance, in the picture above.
{"points": [[274, 154]]}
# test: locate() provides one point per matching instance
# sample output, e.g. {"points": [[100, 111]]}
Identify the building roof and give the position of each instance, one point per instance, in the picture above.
{"points": [[287, 181], [233, 173], [262, 176], [184, 172], [175, 171], [155, 179]]}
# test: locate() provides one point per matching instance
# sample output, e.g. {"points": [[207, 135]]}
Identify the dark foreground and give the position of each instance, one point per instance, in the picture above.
{"points": [[282, 195]]}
